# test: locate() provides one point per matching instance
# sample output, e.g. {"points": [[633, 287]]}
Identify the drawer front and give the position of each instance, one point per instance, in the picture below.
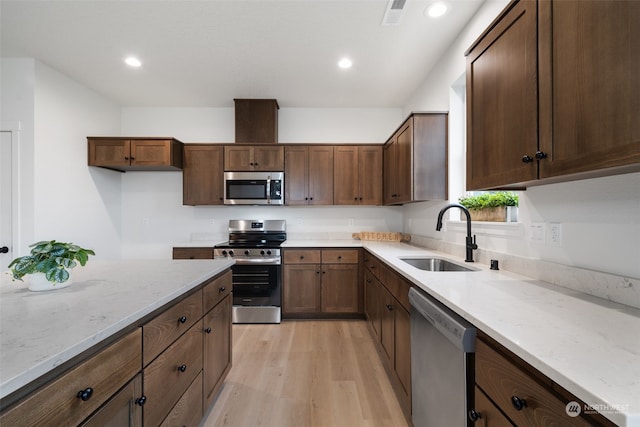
{"points": [[374, 266], [168, 376], [339, 256], [192, 253], [503, 382], [58, 403], [121, 410], [160, 332], [488, 414], [216, 290], [302, 256], [188, 411]]}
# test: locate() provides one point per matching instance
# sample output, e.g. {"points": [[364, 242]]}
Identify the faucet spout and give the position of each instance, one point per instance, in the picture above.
{"points": [[470, 241]]}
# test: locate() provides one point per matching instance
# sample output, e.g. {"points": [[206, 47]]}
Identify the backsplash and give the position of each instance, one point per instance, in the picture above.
{"points": [[611, 287]]}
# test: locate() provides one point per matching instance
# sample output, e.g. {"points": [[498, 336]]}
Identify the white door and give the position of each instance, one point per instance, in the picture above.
{"points": [[5, 201]]}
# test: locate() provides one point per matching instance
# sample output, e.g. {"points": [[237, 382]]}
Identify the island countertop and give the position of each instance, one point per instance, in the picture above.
{"points": [[41, 330]]}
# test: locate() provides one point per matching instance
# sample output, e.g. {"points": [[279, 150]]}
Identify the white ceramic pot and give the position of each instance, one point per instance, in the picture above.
{"points": [[38, 282]]}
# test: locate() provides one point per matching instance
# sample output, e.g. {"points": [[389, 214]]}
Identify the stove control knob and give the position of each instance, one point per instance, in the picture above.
{"points": [[247, 252], [224, 253], [230, 253], [261, 252], [268, 252]]}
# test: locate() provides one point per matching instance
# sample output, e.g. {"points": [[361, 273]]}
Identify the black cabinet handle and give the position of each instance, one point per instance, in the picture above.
{"points": [[141, 400], [126, 158], [4, 250], [133, 158], [182, 319], [310, 198], [85, 394], [222, 289], [355, 198], [527, 159], [301, 256], [208, 330], [182, 368], [518, 404], [540, 155], [339, 256], [389, 307], [474, 415]]}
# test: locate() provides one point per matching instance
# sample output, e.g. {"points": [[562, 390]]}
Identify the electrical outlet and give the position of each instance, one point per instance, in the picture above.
{"points": [[212, 221], [537, 232], [145, 222], [555, 234], [350, 222]]}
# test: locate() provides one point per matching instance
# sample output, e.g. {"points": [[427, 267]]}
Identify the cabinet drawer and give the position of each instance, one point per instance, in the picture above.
{"points": [[216, 290], [192, 253], [503, 381], [168, 376], [302, 256], [339, 256], [121, 410], [160, 332], [58, 403], [188, 411]]}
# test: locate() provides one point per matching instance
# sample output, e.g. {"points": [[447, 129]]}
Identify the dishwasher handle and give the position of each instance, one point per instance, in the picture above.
{"points": [[457, 330]]}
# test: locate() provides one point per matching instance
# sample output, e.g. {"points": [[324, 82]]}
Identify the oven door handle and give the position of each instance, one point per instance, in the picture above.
{"points": [[269, 190]]}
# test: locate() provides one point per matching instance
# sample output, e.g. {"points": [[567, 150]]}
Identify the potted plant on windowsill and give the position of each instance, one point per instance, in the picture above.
{"points": [[49, 264], [497, 207]]}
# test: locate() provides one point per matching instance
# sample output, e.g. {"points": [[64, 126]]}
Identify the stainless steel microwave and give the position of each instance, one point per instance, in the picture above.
{"points": [[254, 188]]}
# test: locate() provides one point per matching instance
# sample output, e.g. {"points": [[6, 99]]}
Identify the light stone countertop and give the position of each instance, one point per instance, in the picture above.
{"points": [[41, 330], [588, 345]]}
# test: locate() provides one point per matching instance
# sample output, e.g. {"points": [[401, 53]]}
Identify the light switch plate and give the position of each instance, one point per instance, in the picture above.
{"points": [[537, 232]]}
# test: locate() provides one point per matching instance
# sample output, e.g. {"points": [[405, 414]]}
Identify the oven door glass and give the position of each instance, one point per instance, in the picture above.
{"points": [[256, 285]]}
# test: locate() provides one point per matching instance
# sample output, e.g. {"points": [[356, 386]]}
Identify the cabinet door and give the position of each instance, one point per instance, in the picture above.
{"points": [[339, 288], [152, 152], [109, 152], [188, 411], [403, 350], [301, 288], [404, 163], [238, 158], [296, 187], [320, 170], [502, 101], [345, 186], [369, 175], [371, 304], [268, 158], [203, 175], [489, 414], [217, 348], [387, 327], [389, 173], [589, 85], [122, 410]]}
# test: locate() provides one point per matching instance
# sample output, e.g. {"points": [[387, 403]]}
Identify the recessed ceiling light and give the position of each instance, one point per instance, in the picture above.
{"points": [[436, 10], [132, 61], [345, 63]]}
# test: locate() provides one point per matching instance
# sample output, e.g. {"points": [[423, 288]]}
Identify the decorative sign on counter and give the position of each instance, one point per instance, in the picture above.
{"points": [[383, 236]]}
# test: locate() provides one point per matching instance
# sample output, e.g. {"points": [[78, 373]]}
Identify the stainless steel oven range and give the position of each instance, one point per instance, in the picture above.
{"points": [[257, 274]]}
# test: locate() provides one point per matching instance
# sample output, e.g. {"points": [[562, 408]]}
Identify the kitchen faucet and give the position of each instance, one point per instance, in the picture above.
{"points": [[471, 242]]}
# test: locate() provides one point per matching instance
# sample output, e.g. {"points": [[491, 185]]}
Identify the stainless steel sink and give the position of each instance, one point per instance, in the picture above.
{"points": [[435, 264]]}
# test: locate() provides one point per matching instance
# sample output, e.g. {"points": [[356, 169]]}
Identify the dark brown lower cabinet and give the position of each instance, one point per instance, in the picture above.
{"points": [[122, 410]]}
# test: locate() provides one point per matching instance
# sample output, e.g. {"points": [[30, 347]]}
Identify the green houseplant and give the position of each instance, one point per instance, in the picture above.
{"points": [[52, 258], [490, 206]]}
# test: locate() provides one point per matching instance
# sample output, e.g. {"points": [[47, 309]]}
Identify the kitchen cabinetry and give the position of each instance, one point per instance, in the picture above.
{"points": [[131, 154], [388, 312], [357, 175], [522, 394], [256, 121], [321, 282], [538, 108], [253, 158], [76, 394], [309, 175], [415, 160], [193, 253], [203, 175], [122, 410]]}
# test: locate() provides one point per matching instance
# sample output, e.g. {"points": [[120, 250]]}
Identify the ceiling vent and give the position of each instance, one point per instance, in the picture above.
{"points": [[394, 12]]}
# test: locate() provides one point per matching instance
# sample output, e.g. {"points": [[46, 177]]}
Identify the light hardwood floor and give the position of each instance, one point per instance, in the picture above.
{"points": [[305, 373]]}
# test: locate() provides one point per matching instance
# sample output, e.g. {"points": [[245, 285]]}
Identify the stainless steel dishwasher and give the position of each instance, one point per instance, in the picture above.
{"points": [[442, 347]]}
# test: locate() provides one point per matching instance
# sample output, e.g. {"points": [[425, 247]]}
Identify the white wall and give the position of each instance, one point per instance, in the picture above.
{"points": [[599, 217], [61, 197], [154, 219]]}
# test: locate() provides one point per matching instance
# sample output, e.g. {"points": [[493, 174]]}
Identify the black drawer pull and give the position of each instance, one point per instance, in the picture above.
{"points": [[389, 307], [141, 400], [182, 319], [474, 415], [208, 330], [85, 394], [222, 289], [527, 159], [182, 368], [518, 404]]}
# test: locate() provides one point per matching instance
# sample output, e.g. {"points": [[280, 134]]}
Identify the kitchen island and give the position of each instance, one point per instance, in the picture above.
{"points": [[587, 345], [42, 332]]}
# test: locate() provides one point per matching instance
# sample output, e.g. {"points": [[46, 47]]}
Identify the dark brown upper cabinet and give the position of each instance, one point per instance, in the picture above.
{"points": [[135, 154], [256, 121]]}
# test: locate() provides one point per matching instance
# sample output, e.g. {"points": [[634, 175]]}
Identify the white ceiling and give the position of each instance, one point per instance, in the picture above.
{"points": [[205, 53]]}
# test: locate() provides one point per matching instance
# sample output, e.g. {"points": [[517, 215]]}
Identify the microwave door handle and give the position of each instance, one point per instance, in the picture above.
{"points": [[269, 190]]}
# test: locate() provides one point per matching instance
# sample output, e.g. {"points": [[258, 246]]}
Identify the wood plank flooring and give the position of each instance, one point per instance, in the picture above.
{"points": [[305, 373]]}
